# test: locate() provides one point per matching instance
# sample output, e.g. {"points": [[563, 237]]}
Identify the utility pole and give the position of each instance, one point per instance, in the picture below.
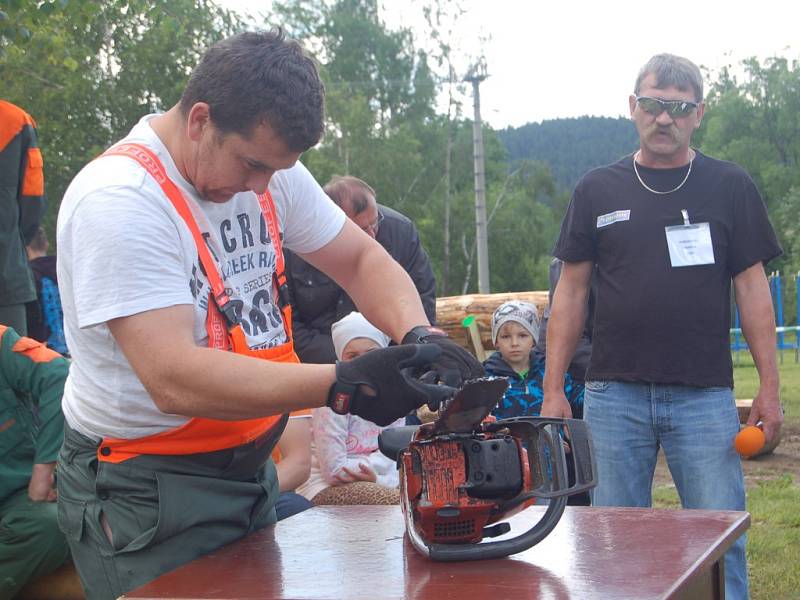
{"points": [[478, 73]]}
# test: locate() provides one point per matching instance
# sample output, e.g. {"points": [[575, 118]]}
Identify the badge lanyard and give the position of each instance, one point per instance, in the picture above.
{"points": [[689, 244]]}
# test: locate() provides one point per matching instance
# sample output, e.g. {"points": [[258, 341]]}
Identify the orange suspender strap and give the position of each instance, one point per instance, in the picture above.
{"points": [[215, 324], [270, 216], [281, 285], [147, 159]]}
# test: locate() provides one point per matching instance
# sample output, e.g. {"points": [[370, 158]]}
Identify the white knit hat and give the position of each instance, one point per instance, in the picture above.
{"points": [[520, 312], [355, 326]]}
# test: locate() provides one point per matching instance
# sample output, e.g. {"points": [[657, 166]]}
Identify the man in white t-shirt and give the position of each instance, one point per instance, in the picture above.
{"points": [[173, 288]]}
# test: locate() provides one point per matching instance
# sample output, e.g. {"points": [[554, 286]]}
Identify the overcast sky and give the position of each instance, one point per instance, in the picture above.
{"points": [[548, 59]]}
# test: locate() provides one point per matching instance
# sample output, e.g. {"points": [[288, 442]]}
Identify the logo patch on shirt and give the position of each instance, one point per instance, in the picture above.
{"points": [[613, 217]]}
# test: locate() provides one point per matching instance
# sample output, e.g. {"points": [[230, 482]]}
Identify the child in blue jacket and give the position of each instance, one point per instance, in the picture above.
{"points": [[515, 331]]}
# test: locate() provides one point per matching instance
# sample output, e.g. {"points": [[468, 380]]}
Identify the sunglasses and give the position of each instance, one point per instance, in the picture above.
{"points": [[674, 108]]}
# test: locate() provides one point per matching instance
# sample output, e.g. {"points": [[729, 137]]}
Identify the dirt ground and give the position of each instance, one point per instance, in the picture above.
{"points": [[784, 459]]}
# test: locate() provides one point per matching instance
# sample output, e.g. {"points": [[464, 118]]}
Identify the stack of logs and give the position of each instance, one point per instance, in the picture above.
{"points": [[451, 311]]}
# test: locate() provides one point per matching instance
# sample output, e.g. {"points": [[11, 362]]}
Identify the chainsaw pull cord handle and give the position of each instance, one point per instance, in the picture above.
{"points": [[502, 548]]}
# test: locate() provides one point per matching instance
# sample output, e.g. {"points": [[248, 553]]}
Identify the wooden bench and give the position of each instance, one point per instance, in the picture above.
{"points": [[61, 584]]}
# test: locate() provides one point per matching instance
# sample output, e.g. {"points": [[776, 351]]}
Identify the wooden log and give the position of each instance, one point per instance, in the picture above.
{"points": [[743, 408], [452, 310]]}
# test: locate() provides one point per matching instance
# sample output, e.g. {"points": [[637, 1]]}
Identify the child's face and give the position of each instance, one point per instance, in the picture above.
{"points": [[514, 343], [358, 346]]}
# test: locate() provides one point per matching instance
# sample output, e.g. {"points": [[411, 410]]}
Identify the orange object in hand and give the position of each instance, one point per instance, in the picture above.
{"points": [[749, 440]]}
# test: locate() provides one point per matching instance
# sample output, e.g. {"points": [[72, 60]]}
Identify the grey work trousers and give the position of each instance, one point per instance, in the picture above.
{"points": [[160, 511]]}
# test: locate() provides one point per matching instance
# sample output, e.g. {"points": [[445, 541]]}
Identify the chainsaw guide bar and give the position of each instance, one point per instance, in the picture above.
{"points": [[465, 412]]}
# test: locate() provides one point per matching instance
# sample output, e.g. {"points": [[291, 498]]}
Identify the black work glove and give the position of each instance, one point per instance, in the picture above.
{"points": [[455, 365], [380, 385]]}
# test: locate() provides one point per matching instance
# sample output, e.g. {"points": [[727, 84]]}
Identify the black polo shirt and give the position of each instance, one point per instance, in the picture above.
{"points": [[655, 322]]}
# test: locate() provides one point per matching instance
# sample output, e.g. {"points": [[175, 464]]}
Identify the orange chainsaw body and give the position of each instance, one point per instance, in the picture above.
{"points": [[435, 476], [462, 474]]}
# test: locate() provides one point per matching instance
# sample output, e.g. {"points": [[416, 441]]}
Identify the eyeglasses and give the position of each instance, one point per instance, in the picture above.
{"points": [[674, 108], [374, 225]]}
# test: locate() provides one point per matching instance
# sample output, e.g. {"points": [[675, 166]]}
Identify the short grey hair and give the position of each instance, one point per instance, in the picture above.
{"points": [[672, 71], [349, 192]]}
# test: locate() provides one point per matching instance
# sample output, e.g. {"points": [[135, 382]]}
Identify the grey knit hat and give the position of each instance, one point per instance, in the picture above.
{"points": [[520, 312]]}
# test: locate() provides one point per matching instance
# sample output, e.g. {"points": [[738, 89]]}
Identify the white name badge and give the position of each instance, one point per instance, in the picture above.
{"points": [[613, 217], [690, 245]]}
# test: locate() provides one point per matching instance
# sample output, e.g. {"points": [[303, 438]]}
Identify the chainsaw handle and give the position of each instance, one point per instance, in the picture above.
{"points": [[581, 456], [502, 548], [393, 440]]}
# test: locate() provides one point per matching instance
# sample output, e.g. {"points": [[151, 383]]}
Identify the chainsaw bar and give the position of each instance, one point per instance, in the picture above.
{"points": [[470, 406]]}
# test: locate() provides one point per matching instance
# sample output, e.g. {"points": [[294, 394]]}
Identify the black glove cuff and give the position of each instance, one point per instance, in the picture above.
{"points": [[340, 397], [420, 333]]}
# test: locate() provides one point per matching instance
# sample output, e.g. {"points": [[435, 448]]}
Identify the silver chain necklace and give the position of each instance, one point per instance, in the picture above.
{"points": [[648, 188]]}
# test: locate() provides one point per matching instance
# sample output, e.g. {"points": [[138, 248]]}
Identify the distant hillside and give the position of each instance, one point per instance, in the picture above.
{"points": [[571, 146]]}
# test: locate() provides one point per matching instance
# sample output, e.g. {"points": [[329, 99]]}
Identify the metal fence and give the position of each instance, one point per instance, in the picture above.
{"points": [[787, 336]]}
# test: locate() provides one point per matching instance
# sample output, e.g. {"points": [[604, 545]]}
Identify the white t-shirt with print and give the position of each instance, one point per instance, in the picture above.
{"points": [[123, 249]]}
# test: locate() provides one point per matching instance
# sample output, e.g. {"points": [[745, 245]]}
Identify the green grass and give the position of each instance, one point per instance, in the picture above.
{"points": [[774, 536], [745, 378], [773, 540]]}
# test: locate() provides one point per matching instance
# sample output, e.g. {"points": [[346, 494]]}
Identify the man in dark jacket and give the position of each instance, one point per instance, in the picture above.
{"points": [[21, 209], [317, 301]]}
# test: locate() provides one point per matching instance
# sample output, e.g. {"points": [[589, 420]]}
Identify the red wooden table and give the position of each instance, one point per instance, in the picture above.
{"points": [[360, 552]]}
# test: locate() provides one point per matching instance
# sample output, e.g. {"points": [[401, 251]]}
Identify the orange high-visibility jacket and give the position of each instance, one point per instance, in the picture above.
{"points": [[21, 201]]}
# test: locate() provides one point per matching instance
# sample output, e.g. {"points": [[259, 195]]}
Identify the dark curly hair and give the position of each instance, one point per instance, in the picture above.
{"points": [[258, 77]]}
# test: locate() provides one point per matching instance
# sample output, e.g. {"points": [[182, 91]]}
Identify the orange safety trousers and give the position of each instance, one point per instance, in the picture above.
{"points": [[200, 435]]}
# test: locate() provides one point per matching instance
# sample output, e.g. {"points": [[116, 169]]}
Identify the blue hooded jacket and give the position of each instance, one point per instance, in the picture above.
{"points": [[524, 397]]}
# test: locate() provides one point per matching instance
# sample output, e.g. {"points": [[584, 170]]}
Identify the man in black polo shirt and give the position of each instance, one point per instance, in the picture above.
{"points": [[668, 229]]}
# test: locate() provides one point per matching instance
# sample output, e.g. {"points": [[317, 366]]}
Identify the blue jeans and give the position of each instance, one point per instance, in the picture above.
{"points": [[694, 426], [289, 504]]}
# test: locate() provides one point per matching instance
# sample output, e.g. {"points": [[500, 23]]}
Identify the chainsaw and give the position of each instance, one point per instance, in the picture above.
{"points": [[464, 473]]}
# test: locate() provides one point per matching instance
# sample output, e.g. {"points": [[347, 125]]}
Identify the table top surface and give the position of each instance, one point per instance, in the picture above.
{"points": [[340, 552]]}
